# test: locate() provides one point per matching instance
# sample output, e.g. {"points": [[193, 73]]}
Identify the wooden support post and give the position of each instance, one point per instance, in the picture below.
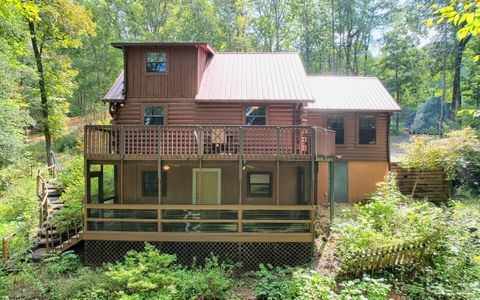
{"points": [[159, 157], [331, 193], [313, 176], [277, 188], [240, 167], [122, 174], [240, 220], [159, 219]]}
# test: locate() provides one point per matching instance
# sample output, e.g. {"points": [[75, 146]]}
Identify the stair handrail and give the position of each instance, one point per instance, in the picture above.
{"points": [[6, 239], [42, 192], [50, 224]]}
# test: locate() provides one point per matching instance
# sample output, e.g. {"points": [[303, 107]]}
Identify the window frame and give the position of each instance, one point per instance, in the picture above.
{"points": [[249, 184], [245, 117], [163, 183], [344, 127], [142, 121], [167, 65], [358, 129]]}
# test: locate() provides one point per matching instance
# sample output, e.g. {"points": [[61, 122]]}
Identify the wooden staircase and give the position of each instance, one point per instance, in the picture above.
{"points": [[56, 235], [57, 231]]}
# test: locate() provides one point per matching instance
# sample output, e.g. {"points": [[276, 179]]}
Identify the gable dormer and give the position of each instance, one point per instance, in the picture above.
{"points": [[163, 70]]}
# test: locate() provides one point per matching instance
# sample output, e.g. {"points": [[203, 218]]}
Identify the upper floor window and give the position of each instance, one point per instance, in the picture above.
{"points": [[367, 129], [153, 115], [256, 115], [336, 123], [156, 62]]}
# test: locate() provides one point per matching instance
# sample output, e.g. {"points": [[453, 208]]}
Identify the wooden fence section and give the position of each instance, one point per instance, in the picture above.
{"points": [[386, 257], [208, 142], [430, 184]]}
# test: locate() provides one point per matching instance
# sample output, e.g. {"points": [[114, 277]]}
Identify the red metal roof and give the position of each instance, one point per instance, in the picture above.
{"points": [[115, 92], [254, 77], [350, 93]]}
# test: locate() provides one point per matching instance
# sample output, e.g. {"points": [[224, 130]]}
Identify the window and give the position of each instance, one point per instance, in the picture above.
{"points": [[336, 123], [256, 115], [259, 184], [150, 183], [102, 183], [153, 115], [367, 129], [156, 62]]}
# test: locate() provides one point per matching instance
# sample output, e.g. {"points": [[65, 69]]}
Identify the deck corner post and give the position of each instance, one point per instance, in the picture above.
{"points": [[278, 143], [240, 166]]}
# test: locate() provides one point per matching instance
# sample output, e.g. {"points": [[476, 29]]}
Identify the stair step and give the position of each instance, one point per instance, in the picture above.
{"points": [[56, 202], [43, 241]]}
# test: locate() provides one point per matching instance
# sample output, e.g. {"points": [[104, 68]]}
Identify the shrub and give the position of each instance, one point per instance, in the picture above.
{"points": [[62, 263], [366, 288], [67, 142], [292, 283], [388, 219], [151, 274], [458, 151]]}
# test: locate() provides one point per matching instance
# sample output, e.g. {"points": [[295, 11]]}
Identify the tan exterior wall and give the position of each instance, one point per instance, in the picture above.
{"points": [[362, 178], [180, 176]]}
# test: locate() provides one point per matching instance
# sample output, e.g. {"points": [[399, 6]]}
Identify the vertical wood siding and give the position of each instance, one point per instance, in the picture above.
{"points": [[351, 150], [180, 81]]}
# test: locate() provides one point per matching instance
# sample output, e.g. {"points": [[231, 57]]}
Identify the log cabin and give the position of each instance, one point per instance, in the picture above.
{"points": [[227, 153]]}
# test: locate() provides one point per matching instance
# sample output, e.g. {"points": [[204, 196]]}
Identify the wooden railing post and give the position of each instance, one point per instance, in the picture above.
{"points": [[278, 143], [240, 166]]}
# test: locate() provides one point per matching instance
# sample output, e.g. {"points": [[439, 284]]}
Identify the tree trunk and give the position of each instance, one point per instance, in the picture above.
{"points": [[43, 93], [457, 94], [397, 93], [332, 59]]}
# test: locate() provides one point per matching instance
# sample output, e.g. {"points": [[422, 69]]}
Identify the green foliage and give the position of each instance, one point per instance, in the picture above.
{"points": [[388, 219], [276, 283], [67, 142], [289, 283], [457, 150], [151, 274], [455, 270], [72, 179], [366, 288], [63, 263]]}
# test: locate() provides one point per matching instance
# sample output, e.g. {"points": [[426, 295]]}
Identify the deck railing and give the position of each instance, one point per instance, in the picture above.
{"points": [[215, 142], [177, 221]]}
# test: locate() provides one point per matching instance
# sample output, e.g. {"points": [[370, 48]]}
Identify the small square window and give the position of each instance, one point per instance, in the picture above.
{"points": [[255, 115], [367, 127], [336, 123], [156, 62], [153, 115], [259, 184]]}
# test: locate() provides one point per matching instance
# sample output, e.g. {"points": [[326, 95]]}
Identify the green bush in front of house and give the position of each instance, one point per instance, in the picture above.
{"points": [[388, 219]]}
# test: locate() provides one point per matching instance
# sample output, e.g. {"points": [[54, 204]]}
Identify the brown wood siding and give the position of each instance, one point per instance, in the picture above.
{"points": [[281, 114], [180, 81], [351, 150], [189, 112], [201, 66]]}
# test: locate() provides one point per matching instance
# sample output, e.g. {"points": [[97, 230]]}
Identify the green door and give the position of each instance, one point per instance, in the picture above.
{"points": [[340, 181]]}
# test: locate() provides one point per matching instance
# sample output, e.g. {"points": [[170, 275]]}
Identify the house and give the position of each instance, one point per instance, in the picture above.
{"points": [[227, 153]]}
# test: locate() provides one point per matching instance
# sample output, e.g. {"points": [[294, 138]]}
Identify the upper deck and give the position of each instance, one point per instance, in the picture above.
{"points": [[208, 142]]}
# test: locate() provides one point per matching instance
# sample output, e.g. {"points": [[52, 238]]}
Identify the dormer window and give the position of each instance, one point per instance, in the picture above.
{"points": [[156, 62]]}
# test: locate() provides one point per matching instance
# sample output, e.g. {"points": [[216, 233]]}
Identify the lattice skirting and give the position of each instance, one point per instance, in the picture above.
{"points": [[250, 254]]}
